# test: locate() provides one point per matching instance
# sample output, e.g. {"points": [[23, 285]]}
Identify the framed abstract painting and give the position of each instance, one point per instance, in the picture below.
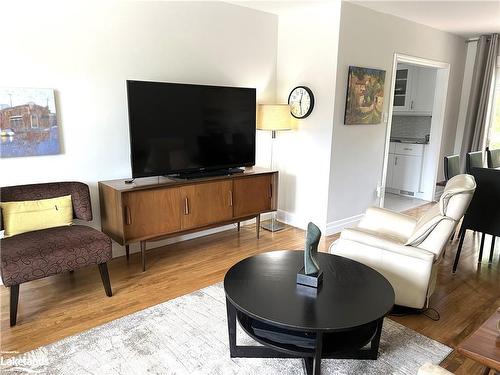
{"points": [[28, 122], [365, 96]]}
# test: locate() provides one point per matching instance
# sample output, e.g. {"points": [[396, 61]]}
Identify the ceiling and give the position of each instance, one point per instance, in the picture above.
{"points": [[280, 7], [464, 18]]}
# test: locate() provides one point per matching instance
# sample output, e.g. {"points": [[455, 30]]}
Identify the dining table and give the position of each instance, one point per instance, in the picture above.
{"points": [[483, 345]]}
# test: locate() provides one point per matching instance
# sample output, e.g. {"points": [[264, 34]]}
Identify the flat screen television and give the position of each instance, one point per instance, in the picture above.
{"points": [[182, 128]]}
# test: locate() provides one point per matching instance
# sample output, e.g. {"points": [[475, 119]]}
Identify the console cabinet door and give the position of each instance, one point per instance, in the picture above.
{"points": [[252, 195], [150, 213], [206, 203]]}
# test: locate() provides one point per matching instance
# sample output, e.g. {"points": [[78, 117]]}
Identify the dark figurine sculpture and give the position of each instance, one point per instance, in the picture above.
{"points": [[313, 236], [310, 274]]}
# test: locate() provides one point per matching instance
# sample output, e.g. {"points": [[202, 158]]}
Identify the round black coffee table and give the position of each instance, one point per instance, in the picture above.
{"points": [[337, 320]]}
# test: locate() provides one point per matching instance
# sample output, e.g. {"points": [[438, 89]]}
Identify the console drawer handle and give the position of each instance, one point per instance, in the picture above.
{"points": [[186, 206], [128, 216], [230, 198]]}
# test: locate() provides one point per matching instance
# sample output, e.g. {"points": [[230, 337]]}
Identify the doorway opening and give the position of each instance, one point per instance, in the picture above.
{"points": [[414, 130]]}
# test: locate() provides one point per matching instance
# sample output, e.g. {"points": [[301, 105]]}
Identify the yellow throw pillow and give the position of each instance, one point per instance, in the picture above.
{"points": [[27, 216]]}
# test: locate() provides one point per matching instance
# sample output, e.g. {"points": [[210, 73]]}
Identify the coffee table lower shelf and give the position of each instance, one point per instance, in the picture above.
{"points": [[357, 343]]}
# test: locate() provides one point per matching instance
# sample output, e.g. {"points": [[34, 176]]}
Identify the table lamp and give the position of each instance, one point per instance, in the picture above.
{"points": [[274, 117]]}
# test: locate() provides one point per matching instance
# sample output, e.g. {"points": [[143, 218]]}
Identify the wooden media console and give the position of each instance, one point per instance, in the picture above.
{"points": [[154, 208]]}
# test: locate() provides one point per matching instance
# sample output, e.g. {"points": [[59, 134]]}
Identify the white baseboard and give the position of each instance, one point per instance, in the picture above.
{"points": [[417, 195], [391, 190], [266, 216], [292, 219], [331, 228], [338, 225]]}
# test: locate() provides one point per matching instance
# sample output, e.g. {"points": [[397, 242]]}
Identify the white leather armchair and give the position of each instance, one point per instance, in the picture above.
{"points": [[406, 250]]}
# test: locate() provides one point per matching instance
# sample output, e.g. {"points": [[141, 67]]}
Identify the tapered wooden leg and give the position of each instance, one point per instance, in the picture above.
{"points": [[127, 252], [480, 258], [143, 255], [257, 225], [103, 270], [459, 249], [492, 249], [238, 226], [14, 299]]}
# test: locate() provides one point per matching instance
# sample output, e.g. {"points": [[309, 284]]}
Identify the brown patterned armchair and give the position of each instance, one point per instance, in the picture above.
{"points": [[38, 254]]}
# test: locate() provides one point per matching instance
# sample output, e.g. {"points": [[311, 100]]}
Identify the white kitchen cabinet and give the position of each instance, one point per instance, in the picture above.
{"points": [[404, 168], [402, 87], [414, 149], [406, 174], [414, 90]]}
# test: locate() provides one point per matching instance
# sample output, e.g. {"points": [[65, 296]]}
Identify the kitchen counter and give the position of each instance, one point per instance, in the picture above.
{"points": [[420, 141]]}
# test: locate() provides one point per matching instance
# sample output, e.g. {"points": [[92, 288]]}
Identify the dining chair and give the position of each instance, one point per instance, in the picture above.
{"points": [[483, 214], [493, 158], [451, 166], [474, 160]]}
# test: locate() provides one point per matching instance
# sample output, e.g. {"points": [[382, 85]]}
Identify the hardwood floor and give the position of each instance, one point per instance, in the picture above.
{"points": [[53, 308]]}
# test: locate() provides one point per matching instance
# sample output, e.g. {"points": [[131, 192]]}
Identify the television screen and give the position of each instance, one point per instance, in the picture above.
{"points": [[177, 128]]}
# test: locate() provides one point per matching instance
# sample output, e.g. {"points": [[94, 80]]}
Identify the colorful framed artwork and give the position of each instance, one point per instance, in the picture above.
{"points": [[365, 96], [28, 122]]}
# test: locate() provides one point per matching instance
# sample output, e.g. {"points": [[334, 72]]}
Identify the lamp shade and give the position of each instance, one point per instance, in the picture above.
{"points": [[275, 117]]}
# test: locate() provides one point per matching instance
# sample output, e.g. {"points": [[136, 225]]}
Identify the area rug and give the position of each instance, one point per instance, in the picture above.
{"points": [[188, 335]]}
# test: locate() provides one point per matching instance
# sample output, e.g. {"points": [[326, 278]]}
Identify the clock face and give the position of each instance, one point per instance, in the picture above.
{"points": [[301, 102]]}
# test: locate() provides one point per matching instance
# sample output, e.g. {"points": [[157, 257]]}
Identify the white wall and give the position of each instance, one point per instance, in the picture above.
{"points": [[307, 55], [86, 50], [370, 39], [464, 97]]}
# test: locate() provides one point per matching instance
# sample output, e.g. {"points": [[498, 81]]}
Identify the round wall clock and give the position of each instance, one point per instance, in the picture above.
{"points": [[301, 101]]}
